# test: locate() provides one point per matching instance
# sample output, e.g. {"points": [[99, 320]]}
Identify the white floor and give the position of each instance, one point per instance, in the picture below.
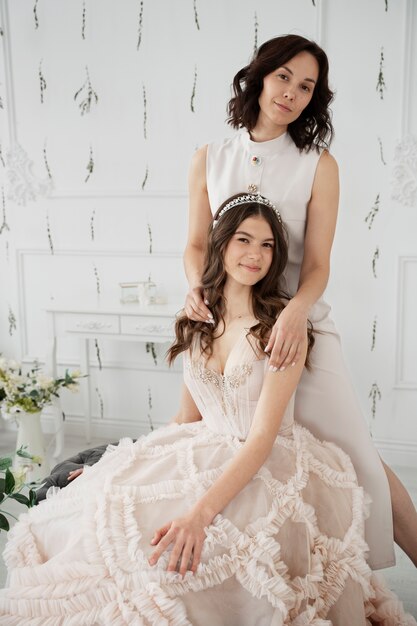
{"points": [[402, 578]]}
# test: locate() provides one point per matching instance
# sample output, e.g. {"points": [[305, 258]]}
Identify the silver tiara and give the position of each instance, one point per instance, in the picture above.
{"points": [[252, 197]]}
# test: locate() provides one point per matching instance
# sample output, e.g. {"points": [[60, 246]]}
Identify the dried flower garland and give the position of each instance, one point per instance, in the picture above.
{"points": [[256, 25], [145, 115], [149, 237], [98, 354], [145, 178], [150, 349], [90, 96], [90, 165], [140, 25], [12, 321], [97, 277], [194, 89], [380, 85], [42, 81], [373, 334], [196, 14], [1, 157], [369, 219], [101, 402], [49, 234], [83, 22], [4, 225], [92, 218], [381, 152], [35, 14], [45, 160], [374, 260], [151, 426], [374, 394]]}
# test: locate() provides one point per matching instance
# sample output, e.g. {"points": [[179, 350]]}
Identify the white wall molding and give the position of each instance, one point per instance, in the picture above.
{"points": [[407, 77], [114, 193], [400, 381]]}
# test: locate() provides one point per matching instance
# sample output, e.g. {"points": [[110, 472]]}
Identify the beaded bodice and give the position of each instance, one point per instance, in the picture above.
{"points": [[227, 401]]}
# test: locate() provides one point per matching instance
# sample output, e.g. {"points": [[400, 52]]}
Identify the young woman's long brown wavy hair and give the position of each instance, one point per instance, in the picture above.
{"points": [[268, 294], [313, 128]]}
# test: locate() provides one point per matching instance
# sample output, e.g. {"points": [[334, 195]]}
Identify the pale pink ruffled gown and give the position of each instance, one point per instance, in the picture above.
{"points": [[289, 549]]}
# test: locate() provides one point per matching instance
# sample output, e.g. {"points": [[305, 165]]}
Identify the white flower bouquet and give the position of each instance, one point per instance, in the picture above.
{"points": [[31, 391]]}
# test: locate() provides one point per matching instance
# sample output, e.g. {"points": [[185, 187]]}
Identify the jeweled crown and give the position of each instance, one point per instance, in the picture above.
{"points": [[252, 197]]}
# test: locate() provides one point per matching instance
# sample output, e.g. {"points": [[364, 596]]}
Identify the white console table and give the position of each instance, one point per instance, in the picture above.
{"points": [[123, 322]]}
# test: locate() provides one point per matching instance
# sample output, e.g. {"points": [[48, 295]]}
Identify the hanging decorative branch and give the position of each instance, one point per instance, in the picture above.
{"points": [[1, 32], [380, 85], [151, 426], [373, 334], [101, 403], [1, 103], [42, 81], [97, 277], [90, 165], [89, 93], [98, 354], [150, 237], [12, 321], [7, 252], [150, 349], [49, 234], [374, 260], [314, 2], [83, 22], [4, 225], [93, 214], [145, 116], [196, 14], [35, 14], [375, 395], [140, 25], [145, 177], [255, 45], [386, 6], [1, 157], [45, 160], [193, 91], [372, 213], [381, 153]]}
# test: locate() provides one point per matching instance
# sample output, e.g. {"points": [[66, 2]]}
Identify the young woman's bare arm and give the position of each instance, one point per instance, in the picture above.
{"points": [[188, 411], [286, 341], [187, 533], [199, 219]]}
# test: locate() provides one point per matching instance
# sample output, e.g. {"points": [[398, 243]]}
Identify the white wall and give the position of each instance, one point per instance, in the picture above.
{"points": [[171, 53]]}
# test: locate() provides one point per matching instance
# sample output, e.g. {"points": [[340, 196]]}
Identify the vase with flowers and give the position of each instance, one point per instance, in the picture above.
{"points": [[22, 398]]}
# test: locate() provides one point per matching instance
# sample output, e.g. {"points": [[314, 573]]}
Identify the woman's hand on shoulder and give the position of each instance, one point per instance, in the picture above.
{"points": [[288, 337], [195, 307]]}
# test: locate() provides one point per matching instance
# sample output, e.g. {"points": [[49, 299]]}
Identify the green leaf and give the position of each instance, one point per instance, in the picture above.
{"points": [[32, 497], [23, 452], [5, 462], [10, 482], [19, 497], [4, 524], [2, 485], [1, 496]]}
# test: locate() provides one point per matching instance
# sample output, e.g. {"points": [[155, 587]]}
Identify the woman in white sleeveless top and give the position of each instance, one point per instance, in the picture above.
{"points": [[281, 104]]}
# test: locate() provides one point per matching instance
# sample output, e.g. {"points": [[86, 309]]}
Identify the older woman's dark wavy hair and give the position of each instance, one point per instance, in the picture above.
{"points": [[313, 128], [268, 294]]}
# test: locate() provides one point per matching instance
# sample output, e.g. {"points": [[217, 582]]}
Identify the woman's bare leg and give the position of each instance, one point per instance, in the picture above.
{"points": [[404, 515]]}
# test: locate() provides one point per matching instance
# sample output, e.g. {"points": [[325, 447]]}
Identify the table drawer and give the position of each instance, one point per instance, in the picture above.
{"points": [[86, 323], [150, 327]]}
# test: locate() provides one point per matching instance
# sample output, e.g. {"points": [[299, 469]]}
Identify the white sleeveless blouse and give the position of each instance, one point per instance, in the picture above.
{"points": [[280, 172]]}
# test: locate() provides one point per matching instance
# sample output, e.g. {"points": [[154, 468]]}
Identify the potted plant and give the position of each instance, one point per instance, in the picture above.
{"points": [[22, 398]]}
